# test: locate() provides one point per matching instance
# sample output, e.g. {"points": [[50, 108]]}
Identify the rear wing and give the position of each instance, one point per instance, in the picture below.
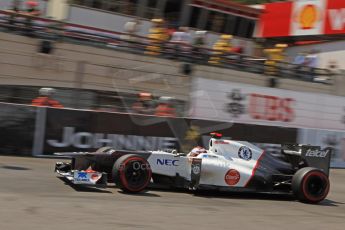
{"points": [[308, 156]]}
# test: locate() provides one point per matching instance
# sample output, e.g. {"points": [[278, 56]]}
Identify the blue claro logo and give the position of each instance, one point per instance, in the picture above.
{"points": [[82, 175]]}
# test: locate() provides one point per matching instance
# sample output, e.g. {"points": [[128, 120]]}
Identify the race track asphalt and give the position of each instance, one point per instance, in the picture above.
{"points": [[32, 197]]}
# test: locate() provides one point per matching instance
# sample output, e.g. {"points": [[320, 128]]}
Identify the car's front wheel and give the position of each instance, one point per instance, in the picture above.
{"points": [[131, 173]]}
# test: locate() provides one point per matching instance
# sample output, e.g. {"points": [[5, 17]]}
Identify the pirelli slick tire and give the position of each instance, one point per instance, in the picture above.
{"points": [[310, 185], [131, 173]]}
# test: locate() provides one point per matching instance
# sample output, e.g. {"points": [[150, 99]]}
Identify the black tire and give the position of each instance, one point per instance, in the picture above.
{"points": [[310, 185], [131, 173]]}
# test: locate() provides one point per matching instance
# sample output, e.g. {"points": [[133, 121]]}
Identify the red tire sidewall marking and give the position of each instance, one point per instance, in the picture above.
{"points": [[305, 190], [123, 177]]}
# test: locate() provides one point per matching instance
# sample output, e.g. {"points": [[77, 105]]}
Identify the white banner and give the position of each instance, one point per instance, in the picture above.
{"points": [[242, 103], [326, 138]]}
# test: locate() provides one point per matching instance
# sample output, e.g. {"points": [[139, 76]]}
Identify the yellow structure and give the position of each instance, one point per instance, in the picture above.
{"points": [[157, 35], [222, 46], [274, 56]]}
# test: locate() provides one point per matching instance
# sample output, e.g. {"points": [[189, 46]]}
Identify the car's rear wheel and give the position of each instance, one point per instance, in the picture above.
{"points": [[131, 173], [310, 185]]}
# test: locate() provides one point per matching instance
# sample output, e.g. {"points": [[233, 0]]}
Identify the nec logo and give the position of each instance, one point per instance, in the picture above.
{"points": [[167, 162]]}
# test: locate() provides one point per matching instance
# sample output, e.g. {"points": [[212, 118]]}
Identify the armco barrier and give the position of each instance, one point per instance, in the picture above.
{"points": [[17, 126], [76, 130], [27, 130]]}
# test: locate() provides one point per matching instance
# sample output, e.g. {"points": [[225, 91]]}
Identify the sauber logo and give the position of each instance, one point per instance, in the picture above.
{"points": [[308, 16], [232, 177], [317, 153]]}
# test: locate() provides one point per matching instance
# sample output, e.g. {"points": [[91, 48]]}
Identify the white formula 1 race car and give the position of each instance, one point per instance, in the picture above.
{"points": [[301, 170]]}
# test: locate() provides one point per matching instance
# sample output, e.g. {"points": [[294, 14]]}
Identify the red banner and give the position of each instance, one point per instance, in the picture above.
{"points": [[276, 19], [302, 17], [335, 17]]}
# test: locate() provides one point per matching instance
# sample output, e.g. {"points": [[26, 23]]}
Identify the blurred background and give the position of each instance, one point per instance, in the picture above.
{"points": [[165, 73]]}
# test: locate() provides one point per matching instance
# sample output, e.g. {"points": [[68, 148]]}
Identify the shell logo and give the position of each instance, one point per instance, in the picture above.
{"points": [[308, 17]]}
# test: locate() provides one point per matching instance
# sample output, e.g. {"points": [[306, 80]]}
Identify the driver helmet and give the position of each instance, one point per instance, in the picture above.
{"points": [[197, 150]]}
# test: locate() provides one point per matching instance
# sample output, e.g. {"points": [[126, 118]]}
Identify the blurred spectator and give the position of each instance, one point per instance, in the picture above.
{"points": [[158, 34], [239, 48], [180, 41], [200, 43], [220, 48], [31, 11], [144, 104], [131, 28], [181, 36], [45, 98], [274, 56], [170, 31], [200, 38], [16, 5], [311, 61], [165, 107], [299, 59], [32, 8], [15, 10], [299, 62]]}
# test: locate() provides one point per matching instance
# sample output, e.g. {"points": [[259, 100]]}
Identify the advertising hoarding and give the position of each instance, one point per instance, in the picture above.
{"points": [[302, 17], [250, 104]]}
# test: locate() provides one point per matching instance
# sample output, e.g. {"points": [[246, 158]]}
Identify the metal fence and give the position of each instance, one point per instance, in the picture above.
{"points": [[58, 31]]}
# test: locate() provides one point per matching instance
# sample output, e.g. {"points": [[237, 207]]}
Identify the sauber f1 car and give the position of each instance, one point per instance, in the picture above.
{"points": [[300, 170]]}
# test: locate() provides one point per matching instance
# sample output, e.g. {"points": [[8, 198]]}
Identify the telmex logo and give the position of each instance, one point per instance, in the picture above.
{"points": [[308, 16]]}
